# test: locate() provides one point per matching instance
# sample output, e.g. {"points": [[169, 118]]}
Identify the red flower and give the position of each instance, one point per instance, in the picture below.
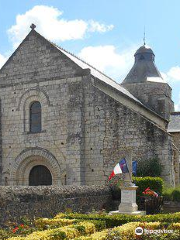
{"points": [[15, 229]]}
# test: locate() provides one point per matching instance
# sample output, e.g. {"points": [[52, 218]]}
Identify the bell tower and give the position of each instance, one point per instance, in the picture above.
{"points": [[145, 82]]}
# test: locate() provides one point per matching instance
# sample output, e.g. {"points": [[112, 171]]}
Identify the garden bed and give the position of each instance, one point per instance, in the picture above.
{"points": [[99, 226]]}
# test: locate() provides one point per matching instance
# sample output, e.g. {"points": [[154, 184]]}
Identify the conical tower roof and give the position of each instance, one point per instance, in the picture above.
{"points": [[144, 68]]}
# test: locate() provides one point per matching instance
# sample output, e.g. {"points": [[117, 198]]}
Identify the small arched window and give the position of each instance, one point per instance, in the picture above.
{"points": [[35, 117]]}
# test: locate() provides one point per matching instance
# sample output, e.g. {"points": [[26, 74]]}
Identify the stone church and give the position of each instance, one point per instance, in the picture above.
{"points": [[64, 122]]}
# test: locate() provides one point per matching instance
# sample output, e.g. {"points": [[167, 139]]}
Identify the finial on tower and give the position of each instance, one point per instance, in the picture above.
{"points": [[33, 26], [144, 39]]}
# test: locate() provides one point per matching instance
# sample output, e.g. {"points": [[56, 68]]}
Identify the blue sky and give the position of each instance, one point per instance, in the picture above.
{"points": [[105, 33]]}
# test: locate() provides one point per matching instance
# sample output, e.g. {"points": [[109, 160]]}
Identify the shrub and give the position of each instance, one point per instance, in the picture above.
{"points": [[167, 193], [176, 194], [123, 227], [99, 224], [53, 222], [155, 184], [117, 220], [4, 234], [149, 167], [172, 194], [67, 232], [127, 232]]}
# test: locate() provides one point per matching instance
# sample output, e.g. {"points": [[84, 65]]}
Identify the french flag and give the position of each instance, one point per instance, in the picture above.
{"points": [[121, 167]]}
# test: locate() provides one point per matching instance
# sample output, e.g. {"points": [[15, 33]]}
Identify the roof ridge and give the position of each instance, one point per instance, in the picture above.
{"points": [[72, 54]]}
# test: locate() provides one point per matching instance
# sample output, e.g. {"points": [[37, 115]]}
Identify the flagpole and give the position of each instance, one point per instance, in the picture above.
{"points": [[127, 162]]}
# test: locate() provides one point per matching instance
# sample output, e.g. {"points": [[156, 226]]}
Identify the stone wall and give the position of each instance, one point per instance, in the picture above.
{"points": [[17, 202], [38, 71], [85, 133], [154, 95], [57, 146], [112, 129], [176, 139]]}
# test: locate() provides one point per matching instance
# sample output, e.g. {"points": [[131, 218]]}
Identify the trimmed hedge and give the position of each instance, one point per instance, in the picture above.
{"points": [[117, 220], [62, 233], [155, 183], [127, 232], [44, 222], [92, 227]]}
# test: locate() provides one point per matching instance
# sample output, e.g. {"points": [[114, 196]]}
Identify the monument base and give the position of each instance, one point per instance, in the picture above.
{"points": [[130, 213], [128, 201]]}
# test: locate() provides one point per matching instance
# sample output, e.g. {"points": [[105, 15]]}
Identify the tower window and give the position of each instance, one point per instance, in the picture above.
{"points": [[35, 117], [141, 57]]}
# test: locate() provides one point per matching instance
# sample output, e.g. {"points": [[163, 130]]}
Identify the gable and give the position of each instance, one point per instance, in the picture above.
{"points": [[36, 59]]}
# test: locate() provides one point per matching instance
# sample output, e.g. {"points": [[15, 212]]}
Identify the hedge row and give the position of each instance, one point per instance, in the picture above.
{"points": [[86, 231], [67, 232], [117, 220], [43, 223], [86, 227], [127, 232]]}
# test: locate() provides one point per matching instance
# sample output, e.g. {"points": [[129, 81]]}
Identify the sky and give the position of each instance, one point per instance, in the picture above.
{"points": [[105, 33]]}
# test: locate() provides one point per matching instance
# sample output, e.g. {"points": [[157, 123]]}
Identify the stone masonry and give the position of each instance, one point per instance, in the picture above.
{"points": [[47, 201]]}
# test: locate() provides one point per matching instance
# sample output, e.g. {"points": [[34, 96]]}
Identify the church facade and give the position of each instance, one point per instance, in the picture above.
{"points": [[64, 122]]}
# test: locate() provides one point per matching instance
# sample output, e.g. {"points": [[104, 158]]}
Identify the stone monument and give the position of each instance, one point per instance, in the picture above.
{"points": [[128, 192]]}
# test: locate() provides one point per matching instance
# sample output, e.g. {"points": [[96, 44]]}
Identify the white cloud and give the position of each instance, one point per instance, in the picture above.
{"points": [[172, 76], [50, 24], [108, 60], [97, 27], [2, 60], [174, 73], [177, 106]]}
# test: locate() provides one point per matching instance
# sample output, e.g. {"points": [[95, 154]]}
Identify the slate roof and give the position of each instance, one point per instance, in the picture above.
{"points": [[144, 68], [174, 124]]}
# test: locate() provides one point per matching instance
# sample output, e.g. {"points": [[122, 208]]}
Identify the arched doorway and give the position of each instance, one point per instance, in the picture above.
{"points": [[40, 175], [32, 157]]}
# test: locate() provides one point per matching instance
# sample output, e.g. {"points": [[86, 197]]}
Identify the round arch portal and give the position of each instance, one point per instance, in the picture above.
{"points": [[31, 158]]}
